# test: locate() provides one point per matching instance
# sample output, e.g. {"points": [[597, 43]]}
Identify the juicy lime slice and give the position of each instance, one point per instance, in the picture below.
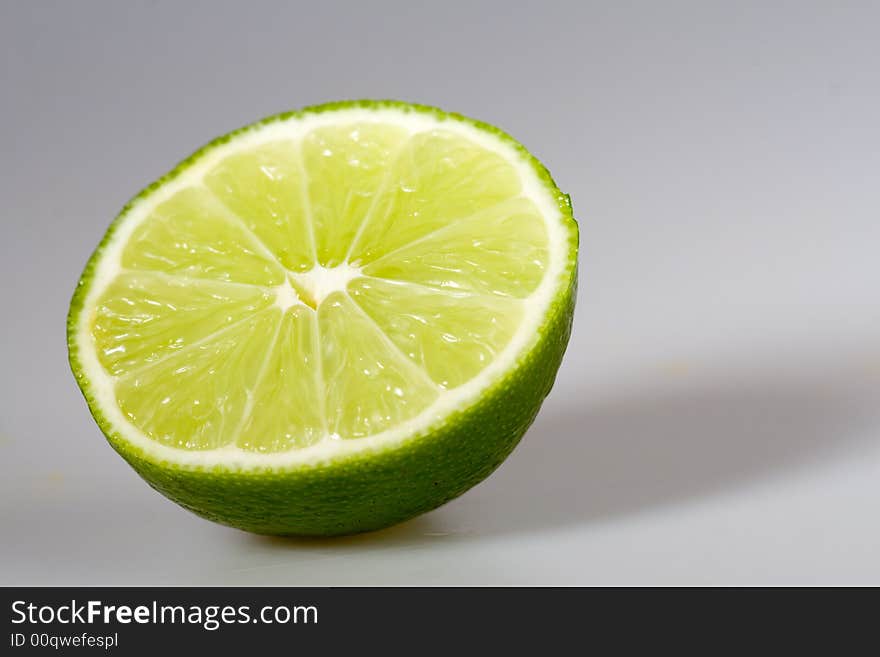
{"points": [[330, 320]]}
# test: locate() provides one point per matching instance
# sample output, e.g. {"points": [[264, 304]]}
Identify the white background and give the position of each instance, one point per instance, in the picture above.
{"points": [[716, 420]]}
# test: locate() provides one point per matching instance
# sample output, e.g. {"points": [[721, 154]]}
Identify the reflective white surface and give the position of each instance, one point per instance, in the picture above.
{"points": [[717, 417]]}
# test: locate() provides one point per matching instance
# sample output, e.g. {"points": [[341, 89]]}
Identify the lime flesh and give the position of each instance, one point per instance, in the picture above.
{"points": [[300, 330]]}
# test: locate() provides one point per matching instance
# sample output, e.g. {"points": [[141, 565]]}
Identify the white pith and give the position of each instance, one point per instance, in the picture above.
{"points": [[319, 282]]}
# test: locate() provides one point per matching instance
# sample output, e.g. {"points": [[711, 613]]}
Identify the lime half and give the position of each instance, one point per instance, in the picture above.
{"points": [[331, 320]]}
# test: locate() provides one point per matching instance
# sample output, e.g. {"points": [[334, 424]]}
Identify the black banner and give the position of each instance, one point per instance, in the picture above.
{"points": [[127, 621]]}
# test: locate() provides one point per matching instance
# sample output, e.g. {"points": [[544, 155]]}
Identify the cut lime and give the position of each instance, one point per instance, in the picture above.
{"points": [[331, 320]]}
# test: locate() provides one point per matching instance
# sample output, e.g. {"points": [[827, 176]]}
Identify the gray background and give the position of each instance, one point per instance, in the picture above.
{"points": [[716, 419]]}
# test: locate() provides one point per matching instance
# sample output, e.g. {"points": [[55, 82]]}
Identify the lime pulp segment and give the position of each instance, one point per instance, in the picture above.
{"points": [[326, 283]]}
